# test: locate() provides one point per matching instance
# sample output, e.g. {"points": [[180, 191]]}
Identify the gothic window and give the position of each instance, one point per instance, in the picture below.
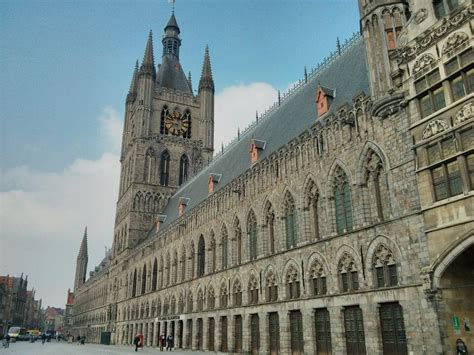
{"points": [[190, 302], [173, 305], [167, 270], [211, 299], [252, 232], [200, 301], [165, 168], [187, 119], [292, 283], [270, 227], [271, 288], [312, 206], [183, 265], [376, 183], [393, 26], [385, 267], [237, 293], [155, 275], [150, 161], [443, 7], [342, 202], [289, 219], [224, 248], [153, 308], [181, 304], [238, 242], [223, 296], [317, 279], [183, 169], [348, 275], [137, 201], [192, 259], [201, 262], [164, 114], [161, 273], [134, 284], [253, 290], [175, 268]]}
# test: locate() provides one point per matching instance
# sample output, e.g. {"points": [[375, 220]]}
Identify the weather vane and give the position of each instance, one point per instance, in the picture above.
{"points": [[172, 2]]}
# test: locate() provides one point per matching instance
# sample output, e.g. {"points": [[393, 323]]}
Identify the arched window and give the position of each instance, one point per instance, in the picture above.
{"points": [[272, 288], [289, 220], [175, 268], [317, 279], [143, 279], [252, 232], [200, 300], [187, 121], [161, 272], [201, 259], [134, 283], [164, 114], [155, 275], [237, 293], [342, 202], [223, 296], [192, 258], [190, 302], [224, 248], [165, 168], [253, 290], [292, 283], [181, 304], [158, 307], [150, 166], [376, 182], [183, 265], [348, 275], [238, 242], [270, 227], [211, 299], [385, 267], [183, 169], [167, 269], [173, 305], [312, 205], [212, 253]]}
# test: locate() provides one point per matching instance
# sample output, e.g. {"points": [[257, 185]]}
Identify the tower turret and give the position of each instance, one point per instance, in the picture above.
{"points": [[146, 79], [206, 95], [81, 263]]}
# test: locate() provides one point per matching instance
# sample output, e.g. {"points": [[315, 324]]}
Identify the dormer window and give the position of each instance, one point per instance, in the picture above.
{"points": [[255, 149], [324, 97], [183, 202], [160, 220], [213, 180]]}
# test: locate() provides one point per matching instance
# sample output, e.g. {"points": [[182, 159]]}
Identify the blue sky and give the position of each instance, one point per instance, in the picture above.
{"points": [[65, 70]]}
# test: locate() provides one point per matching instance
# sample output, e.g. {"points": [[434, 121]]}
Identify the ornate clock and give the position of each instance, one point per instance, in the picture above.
{"points": [[176, 123]]}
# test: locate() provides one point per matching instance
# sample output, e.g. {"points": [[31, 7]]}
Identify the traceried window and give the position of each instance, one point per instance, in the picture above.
{"points": [[270, 227], [223, 297], [212, 253], [292, 283], [173, 305], [201, 259], [317, 279], [183, 169], [211, 299], [200, 301], [150, 166], [181, 304], [190, 302], [165, 168], [289, 220], [164, 114], [253, 290], [385, 267], [237, 293], [376, 184], [348, 275], [312, 207], [183, 265], [252, 232], [224, 248], [154, 276], [342, 202], [238, 242], [443, 7], [143, 280], [393, 26]]}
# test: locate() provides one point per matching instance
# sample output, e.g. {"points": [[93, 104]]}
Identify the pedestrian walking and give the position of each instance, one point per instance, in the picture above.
{"points": [[43, 338], [461, 348], [6, 341], [162, 341], [169, 343], [136, 342]]}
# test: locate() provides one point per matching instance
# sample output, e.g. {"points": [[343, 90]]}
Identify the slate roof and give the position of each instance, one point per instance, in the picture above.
{"points": [[347, 75], [171, 75]]}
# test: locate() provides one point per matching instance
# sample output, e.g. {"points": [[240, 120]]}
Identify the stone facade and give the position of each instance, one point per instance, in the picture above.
{"points": [[345, 238]]}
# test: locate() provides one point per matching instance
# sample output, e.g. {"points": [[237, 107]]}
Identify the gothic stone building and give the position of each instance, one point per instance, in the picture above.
{"points": [[340, 221]]}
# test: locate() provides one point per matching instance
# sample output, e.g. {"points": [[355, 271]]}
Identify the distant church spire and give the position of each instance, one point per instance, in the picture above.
{"points": [[81, 262], [206, 81], [148, 64]]}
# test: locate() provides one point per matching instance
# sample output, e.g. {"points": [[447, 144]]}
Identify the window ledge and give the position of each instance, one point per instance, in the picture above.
{"points": [[448, 200]]}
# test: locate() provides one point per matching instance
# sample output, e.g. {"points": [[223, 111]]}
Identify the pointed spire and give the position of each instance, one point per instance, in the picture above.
{"points": [[83, 249], [190, 81], [206, 81], [132, 92], [305, 74], [148, 64], [172, 23]]}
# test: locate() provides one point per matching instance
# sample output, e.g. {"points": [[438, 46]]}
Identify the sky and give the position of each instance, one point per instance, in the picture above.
{"points": [[65, 70]]}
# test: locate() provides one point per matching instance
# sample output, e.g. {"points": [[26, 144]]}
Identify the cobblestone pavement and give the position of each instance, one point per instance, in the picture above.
{"points": [[54, 348]]}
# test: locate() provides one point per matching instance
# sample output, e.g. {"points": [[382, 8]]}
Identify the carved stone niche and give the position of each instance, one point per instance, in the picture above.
{"points": [[423, 62], [454, 41], [434, 127], [465, 113]]}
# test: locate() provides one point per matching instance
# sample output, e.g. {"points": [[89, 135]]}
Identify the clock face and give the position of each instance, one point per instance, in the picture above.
{"points": [[176, 123]]}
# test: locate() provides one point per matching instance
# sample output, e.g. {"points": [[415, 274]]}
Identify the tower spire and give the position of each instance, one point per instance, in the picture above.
{"points": [[148, 64], [81, 262], [206, 81], [83, 249], [132, 92]]}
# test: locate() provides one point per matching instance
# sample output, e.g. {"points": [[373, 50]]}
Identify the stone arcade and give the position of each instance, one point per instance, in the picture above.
{"points": [[340, 222]]}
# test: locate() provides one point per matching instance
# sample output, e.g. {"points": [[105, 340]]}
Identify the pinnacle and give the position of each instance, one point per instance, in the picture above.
{"points": [[206, 75], [148, 58], [83, 248]]}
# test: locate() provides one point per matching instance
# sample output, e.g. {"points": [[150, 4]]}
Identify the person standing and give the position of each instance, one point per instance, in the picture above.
{"points": [[461, 348], [136, 342], [162, 341], [169, 342]]}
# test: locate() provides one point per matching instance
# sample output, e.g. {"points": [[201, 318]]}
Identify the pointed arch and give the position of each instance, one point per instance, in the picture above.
{"points": [[165, 168], [290, 220], [183, 169], [252, 234], [134, 283], [292, 280], [271, 285], [223, 295], [224, 247], [237, 292], [348, 266], [150, 166], [187, 121], [211, 298], [201, 257], [253, 289], [312, 207], [237, 248], [155, 275], [212, 252], [342, 194], [317, 275], [269, 223], [164, 114]]}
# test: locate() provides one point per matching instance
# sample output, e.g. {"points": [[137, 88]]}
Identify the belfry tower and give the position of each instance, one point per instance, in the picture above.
{"points": [[167, 137], [81, 263]]}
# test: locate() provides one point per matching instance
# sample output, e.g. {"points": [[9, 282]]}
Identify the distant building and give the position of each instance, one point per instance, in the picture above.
{"points": [[15, 297], [33, 319], [54, 319], [68, 314]]}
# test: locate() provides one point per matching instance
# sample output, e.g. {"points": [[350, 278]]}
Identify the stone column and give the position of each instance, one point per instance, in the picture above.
{"points": [[185, 334], [151, 328], [246, 333], [285, 343], [338, 338], [230, 333], [205, 334], [264, 333], [308, 331], [217, 333], [194, 341], [370, 316]]}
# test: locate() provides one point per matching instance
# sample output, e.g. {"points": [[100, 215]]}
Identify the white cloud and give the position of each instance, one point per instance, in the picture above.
{"points": [[112, 126], [43, 215], [235, 106]]}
